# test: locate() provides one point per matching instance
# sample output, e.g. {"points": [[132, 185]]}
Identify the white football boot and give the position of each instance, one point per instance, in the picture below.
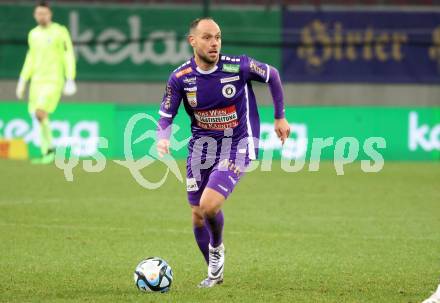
{"points": [[215, 268], [435, 297]]}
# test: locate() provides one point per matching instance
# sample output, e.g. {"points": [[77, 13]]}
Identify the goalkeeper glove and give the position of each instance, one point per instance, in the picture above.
{"points": [[21, 87], [70, 87]]}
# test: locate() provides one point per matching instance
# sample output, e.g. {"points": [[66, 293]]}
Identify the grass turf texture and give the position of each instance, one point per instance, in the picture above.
{"points": [[290, 237]]}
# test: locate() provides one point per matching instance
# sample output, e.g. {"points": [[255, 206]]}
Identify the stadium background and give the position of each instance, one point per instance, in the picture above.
{"points": [[350, 68]]}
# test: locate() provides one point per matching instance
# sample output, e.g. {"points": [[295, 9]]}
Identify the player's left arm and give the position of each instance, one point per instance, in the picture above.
{"points": [[69, 63], [263, 72], [282, 127]]}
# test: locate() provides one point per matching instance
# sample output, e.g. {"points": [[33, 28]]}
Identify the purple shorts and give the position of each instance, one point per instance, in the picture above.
{"points": [[222, 177]]}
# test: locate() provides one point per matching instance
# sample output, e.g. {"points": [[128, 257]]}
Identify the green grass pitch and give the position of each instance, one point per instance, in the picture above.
{"points": [[290, 237]]}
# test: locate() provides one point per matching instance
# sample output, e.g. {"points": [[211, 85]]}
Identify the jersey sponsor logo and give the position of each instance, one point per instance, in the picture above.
{"points": [[229, 90], [192, 98], [256, 69], [184, 72], [231, 68], [217, 119], [229, 79], [190, 80], [190, 89], [191, 184]]}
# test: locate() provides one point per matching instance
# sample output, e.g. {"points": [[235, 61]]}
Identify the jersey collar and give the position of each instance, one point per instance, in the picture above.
{"points": [[207, 72], [204, 72]]}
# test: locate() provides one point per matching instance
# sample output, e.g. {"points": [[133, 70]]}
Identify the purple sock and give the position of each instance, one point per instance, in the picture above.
{"points": [[202, 238], [214, 226]]}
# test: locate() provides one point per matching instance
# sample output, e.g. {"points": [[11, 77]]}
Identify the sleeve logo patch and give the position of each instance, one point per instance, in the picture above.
{"points": [[231, 68], [256, 69], [168, 95]]}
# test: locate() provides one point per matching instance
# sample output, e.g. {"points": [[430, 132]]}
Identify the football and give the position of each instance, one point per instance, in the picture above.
{"points": [[153, 275]]}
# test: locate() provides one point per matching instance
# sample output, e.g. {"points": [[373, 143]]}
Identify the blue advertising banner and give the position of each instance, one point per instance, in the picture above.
{"points": [[361, 46]]}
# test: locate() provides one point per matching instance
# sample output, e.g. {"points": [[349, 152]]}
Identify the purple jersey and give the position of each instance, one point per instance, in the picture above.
{"points": [[219, 99]]}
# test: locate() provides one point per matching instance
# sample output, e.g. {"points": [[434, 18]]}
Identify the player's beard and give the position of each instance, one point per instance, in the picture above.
{"points": [[206, 59]]}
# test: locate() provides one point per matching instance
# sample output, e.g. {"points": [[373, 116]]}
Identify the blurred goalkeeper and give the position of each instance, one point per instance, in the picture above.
{"points": [[50, 67]]}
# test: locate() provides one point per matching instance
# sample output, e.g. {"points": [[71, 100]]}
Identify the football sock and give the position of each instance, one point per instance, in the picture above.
{"points": [[45, 136], [215, 228], [202, 238]]}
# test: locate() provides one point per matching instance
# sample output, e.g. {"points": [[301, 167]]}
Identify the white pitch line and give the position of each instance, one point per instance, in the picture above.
{"points": [[294, 234]]}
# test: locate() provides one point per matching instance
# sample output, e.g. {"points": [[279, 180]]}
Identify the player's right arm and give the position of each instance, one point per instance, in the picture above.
{"points": [[168, 110], [26, 71]]}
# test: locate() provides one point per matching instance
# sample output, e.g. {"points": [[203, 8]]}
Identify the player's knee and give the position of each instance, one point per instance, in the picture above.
{"points": [[208, 208], [197, 216], [41, 115], [210, 202]]}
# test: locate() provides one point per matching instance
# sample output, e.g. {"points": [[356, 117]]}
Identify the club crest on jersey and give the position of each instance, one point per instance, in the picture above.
{"points": [[192, 98], [228, 91], [190, 80]]}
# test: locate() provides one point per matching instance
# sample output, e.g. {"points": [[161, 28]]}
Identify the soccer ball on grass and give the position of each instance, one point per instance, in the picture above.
{"points": [[153, 275]]}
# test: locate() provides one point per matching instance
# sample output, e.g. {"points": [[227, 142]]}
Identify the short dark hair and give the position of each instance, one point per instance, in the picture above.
{"points": [[43, 4], [196, 22]]}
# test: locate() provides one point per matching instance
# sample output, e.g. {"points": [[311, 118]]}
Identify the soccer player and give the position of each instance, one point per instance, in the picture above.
{"points": [[217, 95], [50, 65], [435, 297]]}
